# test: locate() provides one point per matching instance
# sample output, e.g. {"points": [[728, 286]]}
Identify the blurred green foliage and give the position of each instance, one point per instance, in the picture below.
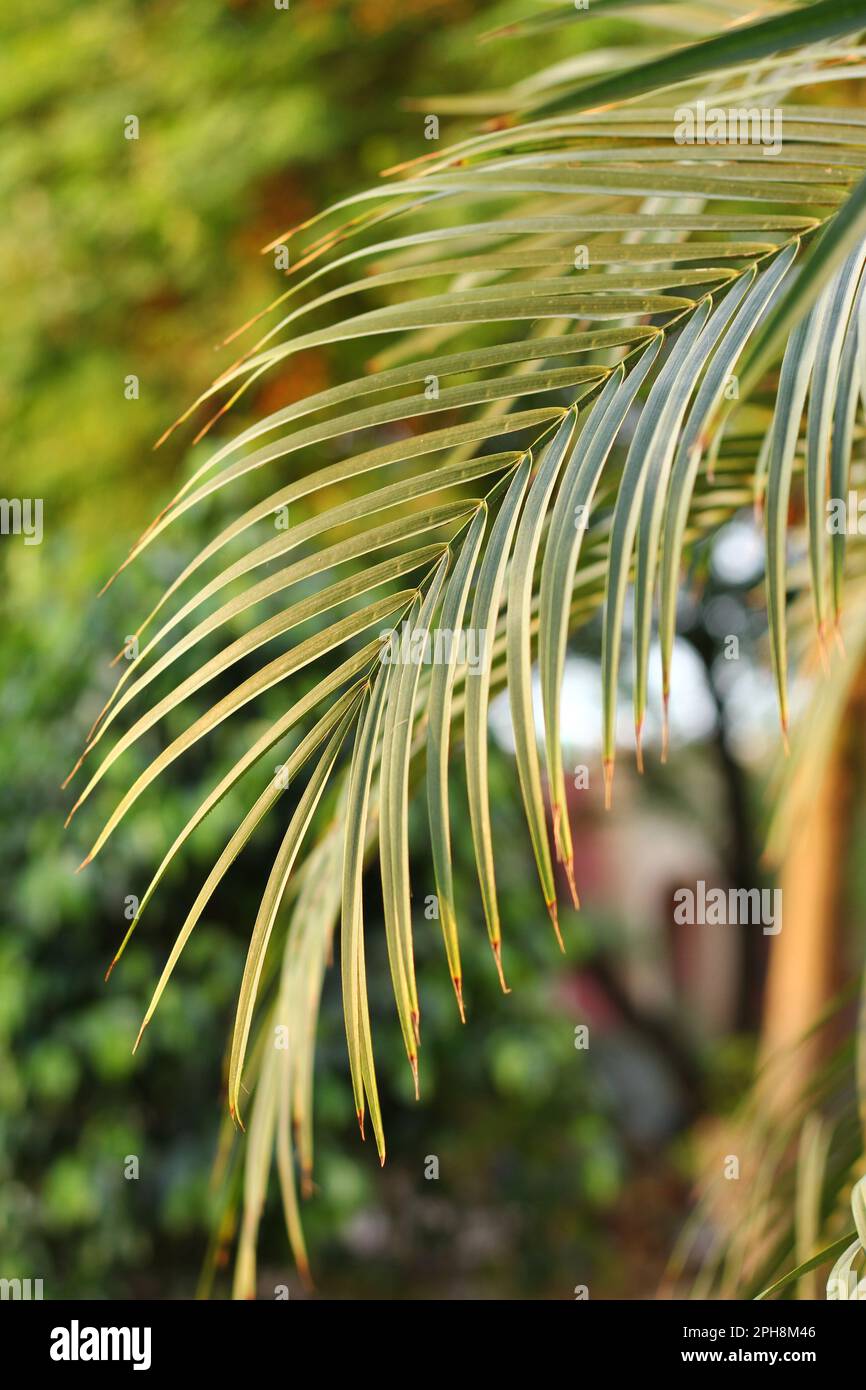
{"points": [[122, 256]]}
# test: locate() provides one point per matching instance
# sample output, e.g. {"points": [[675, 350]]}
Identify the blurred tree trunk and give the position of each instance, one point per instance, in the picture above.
{"points": [[806, 965]]}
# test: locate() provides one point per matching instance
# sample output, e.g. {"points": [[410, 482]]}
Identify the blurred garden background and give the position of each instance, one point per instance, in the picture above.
{"points": [[124, 258]]}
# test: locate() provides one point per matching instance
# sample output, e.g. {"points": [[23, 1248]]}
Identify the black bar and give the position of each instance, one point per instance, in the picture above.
{"points": [[56, 1338]]}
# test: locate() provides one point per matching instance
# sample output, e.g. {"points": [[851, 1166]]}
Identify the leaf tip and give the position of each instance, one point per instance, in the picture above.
{"points": [[69, 776], [823, 653], [786, 743], [607, 770], [554, 917], [497, 956], [458, 990], [568, 865]]}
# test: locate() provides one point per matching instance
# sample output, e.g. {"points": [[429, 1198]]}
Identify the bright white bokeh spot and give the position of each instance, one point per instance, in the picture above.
{"points": [[692, 712], [738, 552]]}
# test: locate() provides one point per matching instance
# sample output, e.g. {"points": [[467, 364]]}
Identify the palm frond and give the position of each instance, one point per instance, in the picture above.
{"points": [[576, 288]]}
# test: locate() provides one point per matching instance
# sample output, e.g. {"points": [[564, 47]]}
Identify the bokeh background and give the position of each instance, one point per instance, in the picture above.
{"points": [[122, 257]]}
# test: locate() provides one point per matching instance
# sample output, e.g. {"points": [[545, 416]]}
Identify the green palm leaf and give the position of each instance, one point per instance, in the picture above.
{"points": [[564, 256]]}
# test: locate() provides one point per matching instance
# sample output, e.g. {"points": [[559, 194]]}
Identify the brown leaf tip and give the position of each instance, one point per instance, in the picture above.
{"points": [[497, 956], [554, 917], [458, 990]]}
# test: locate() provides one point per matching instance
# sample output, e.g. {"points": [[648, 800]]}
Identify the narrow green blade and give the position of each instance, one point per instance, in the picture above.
{"points": [[790, 398], [653, 432], [822, 402], [265, 801], [485, 612], [439, 738], [519, 654], [355, 1006], [567, 529], [840, 454], [270, 905], [394, 819], [680, 491], [658, 467]]}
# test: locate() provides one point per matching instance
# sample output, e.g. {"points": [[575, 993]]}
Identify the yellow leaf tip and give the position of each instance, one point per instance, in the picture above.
{"points": [[145, 1021], [554, 917], [458, 990], [568, 865], [497, 956], [607, 770], [65, 783]]}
